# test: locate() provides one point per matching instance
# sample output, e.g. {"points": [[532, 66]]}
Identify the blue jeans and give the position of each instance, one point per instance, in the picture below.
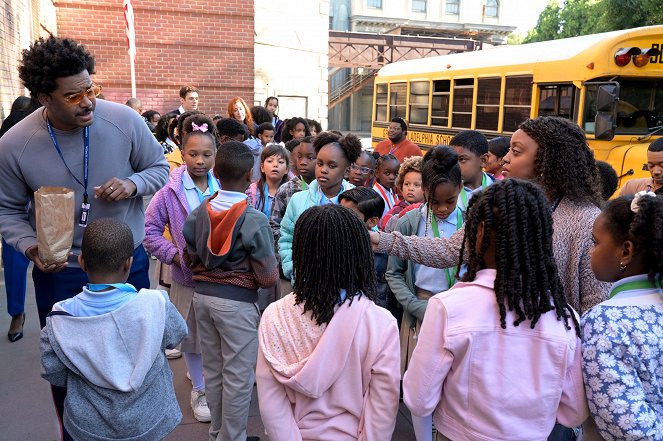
{"points": [[51, 288], [16, 267]]}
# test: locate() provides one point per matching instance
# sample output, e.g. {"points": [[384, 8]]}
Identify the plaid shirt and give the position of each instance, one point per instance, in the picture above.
{"points": [[279, 205]]}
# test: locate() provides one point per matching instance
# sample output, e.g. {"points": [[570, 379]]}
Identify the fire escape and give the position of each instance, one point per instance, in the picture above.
{"points": [[367, 53]]}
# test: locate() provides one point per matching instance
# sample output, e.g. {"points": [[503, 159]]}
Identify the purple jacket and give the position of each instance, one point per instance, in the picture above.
{"points": [[169, 208]]}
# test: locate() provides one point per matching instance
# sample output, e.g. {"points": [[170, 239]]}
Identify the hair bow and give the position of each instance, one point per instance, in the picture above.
{"points": [[199, 128], [639, 195]]}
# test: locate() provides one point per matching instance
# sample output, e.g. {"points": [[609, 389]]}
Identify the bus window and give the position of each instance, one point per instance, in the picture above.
{"points": [[639, 110], [488, 103], [557, 100], [440, 110], [397, 100], [462, 108], [381, 102], [419, 102], [517, 102]]}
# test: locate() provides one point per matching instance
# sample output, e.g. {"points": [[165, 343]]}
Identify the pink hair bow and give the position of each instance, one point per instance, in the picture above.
{"points": [[199, 128]]}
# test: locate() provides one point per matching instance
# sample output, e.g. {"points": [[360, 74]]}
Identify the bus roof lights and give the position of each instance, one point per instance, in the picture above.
{"points": [[642, 59], [623, 55]]}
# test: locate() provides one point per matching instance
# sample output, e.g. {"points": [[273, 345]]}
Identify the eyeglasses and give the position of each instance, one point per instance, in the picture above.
{"points": [[76, 98], [362, 170]]}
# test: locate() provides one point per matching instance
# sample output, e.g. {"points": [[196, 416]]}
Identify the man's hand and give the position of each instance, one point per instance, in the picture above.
{"points": [[32, 253], [115, 189]]}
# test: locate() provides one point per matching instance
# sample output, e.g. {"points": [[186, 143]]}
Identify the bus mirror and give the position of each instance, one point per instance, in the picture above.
{"points": [[607, 96], [604, 128]]}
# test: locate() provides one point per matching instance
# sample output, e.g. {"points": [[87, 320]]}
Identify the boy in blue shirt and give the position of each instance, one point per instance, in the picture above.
{"points": [[472, 149], [106, 346]]}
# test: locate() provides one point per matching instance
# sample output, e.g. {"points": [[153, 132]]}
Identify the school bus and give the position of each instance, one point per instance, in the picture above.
{"points": [[611, 84]]}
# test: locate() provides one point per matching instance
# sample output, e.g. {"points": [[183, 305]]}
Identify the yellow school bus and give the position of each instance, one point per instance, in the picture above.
{"points": [[610, 84]]}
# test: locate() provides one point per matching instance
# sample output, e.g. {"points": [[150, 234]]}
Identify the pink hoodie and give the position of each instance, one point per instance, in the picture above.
{"points": [[338, 382], [482, 382]]}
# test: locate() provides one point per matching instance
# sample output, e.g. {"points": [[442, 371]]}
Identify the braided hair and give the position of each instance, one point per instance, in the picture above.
{"points": [[527, 281], [644, 229], [331, 251], [564, 164]]}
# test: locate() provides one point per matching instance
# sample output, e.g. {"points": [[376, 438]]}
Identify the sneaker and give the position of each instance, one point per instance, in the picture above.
{"points": [[199, 406], [188, 375], [171, 354]]}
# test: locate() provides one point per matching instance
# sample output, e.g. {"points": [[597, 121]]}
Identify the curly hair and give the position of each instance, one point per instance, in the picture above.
{"points": [[516, 215], [644, 229], [350, 144], [248, 117], [290, 125], [107, 244], [49, 59], [331, 251], [564, 164], [411, 164]]}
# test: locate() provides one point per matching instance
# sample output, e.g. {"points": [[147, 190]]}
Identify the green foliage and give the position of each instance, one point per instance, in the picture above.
{"points": [[582, 17]]}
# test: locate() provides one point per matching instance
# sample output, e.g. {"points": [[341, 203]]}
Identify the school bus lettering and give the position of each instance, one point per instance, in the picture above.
{"points": [[421, 137]]}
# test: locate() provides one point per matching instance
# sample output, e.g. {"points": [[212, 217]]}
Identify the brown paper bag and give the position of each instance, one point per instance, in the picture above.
{"points": [[54, 210]]}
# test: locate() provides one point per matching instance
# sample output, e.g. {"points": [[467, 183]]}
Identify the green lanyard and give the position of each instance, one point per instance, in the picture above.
{"points": [[463, 192], [449, 272], [304, 185], [631, 286]]}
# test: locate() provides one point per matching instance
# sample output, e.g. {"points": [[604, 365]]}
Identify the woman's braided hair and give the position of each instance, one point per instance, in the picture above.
{"points": [[331, 251], [516, 215]]}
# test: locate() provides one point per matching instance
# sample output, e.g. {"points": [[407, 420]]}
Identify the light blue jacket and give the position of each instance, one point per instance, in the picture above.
{"points": [[296, 206]]}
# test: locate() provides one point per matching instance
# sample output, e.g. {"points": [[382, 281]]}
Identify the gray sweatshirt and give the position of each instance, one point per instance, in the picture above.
{"points": [[121, 146], [119, 384]]}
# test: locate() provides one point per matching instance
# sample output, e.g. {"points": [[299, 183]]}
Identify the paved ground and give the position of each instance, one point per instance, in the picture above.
{"points": [[26, 410]]}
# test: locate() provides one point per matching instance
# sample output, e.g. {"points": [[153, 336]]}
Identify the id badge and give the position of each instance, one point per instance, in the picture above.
{"points": [[85, 213]]}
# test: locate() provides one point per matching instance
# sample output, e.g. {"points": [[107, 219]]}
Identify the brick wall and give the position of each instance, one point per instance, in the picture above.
{"points": [[21, 22], [200, 42]]}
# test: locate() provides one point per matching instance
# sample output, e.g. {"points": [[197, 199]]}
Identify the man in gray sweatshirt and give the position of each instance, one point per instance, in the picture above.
{"points": [[101, 150]]}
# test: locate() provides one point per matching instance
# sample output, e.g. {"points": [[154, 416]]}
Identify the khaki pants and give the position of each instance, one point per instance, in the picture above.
{"points": [[228, 332]]}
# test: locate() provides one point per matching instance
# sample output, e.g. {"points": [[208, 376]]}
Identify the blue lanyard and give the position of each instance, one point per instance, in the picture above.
{"points": [[125, 287], [86, 157]]}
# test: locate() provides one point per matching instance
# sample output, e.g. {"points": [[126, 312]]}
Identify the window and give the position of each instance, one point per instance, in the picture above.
{"points": [[377, 4], [418, 5], [440, 107], [452, 7], [488, 103], [381, 102], [397, 100], [419, 91], [462, 108], [517, 102], [557, 100], [492, 8]]}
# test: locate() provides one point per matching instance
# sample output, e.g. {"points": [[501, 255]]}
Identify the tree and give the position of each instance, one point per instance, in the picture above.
{"points": [[582, 17]]}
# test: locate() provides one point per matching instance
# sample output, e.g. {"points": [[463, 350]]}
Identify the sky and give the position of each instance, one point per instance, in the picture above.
{"points": [[528, 13]]}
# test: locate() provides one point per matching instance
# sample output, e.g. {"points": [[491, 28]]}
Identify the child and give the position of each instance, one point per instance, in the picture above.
{"points": [[368, 205], [414, 284], [472, 149], [106, 345], [609, 179], [622, 347], [274, 164], [229, 250], [265, 133], [187, 187], [302, 158], [328, 360], [295, 128], [314, 127], [498, 355], [385, 178], [408, 183], [497, 149], [362, 171], [334, 155]]}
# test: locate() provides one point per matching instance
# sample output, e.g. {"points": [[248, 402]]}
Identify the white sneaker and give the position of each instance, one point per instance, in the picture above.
{"points": [[188, 375], [173, 353], [199, 406]]}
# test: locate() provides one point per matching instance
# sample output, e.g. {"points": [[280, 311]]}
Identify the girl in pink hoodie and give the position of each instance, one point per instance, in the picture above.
{"points": [[498, 355], [329, 358]]}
